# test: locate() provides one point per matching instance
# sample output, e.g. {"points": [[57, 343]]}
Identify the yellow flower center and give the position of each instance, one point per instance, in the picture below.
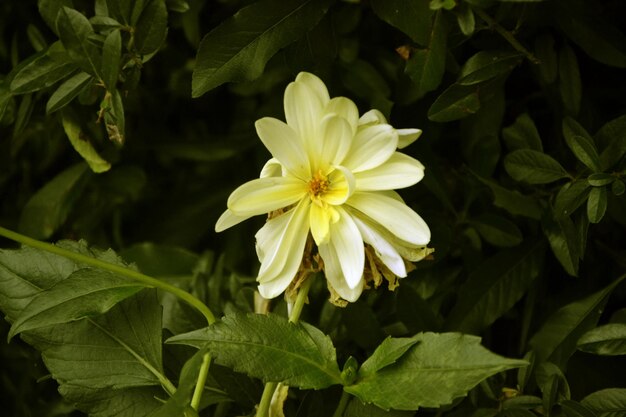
{"points": [[318, 186]]}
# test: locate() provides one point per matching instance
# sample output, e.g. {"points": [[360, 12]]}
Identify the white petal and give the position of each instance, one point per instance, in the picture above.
{"points": [[407, 137], [334, 275], [392, 214], [342, 185], [384, 250], [345, 108], [272, 168], [346, 244], [336, 140], [284, 144], [316, 85], [227, 220], [320, 219], [399, 171], [263, 195], [371, 146], [372, 117], [303, 112]]}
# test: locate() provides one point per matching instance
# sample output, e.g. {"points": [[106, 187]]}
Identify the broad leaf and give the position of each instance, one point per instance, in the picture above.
{"points": [[596, 204], [581, 144], [522, 134], [356, 408], [557, 338], [571, 196], [74, 30], [111, 58], [552, 383], [49, 10], [569, 81], [611, 138], [239, 48], [609, 340], [67, 91], [40, 73], [151, 27], [564, 241], [434, 372], [495, 286], [270, 348], [573, 409], [610, 402], [82, 145], [486, 65], [123, 402], [426, 66], [387, 353], [413, 18], [456, 102], [533, 167], [497, 230], [600, 179]]}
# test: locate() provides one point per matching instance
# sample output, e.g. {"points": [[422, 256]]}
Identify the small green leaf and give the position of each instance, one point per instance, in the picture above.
{"points": [[413, 18], [239, 48], [178, 6], [513, 201], [497, 230], [522, 134], [82, 145], [571, 196], [49, 10], [85, 293], [611, 138], [610, 402], [104, 22], [600, 179], [533, 167], [466, 20], [557, 338], [442, 4], [609, 340], [40, 73], [581, 144], [111, 58], [151, 28], [596, 204], [561, 234], [524, 374], [553, 385], [548, 61], [456, 102], [387, 353], [432, 373], [24, 113], [74, 30], [36, 38], [67, 91], [486, 65], [270, 348], [618, 187], [569, 81]]}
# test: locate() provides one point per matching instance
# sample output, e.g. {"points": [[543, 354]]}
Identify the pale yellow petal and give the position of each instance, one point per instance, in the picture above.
{"points": [[316, 85], [320, 219], [384, 249], [303, 112], [399, 171], [345, 108], [336, 140], [392, 214], [263, 195], [341, 186], [272, 168], [227, 220], [372, 117], [371, 146], [407, 137], [285, 145]]}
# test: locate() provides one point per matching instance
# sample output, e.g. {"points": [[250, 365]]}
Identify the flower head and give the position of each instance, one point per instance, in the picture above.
{"points": [[331, 178]]}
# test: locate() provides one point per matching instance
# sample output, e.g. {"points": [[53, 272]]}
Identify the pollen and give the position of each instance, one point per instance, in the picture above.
{"points": [[318, 186]]}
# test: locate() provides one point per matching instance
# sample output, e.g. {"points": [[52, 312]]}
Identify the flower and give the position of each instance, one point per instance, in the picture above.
{"points": [[331, 177]]}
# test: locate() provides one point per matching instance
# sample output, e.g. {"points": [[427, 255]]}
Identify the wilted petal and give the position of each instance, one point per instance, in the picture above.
{"points": [[399, 171], [334, 274], [384, 250], [342, 185], [371, 146], [345, 108], [227, 220], [285, 145], [265, 194], [392, 214], [336, 140], [407, 137]]}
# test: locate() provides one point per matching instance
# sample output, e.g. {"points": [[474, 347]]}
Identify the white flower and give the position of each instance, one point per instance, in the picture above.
{"points": [[331, 175]]}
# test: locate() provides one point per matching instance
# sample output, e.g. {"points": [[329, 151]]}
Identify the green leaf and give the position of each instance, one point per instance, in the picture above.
{"points": [[111, 58], [618, 187], [596, 204], [24, 113], [608, 340], [124, 402], [40, 73], [49, 207], [466, 20], [67, 91], [486, 65], [561, 234], [151, 28], [114, 117], [270, 348], [426, 66], [571, 196], [74, 30], [522, 134], [497, 230], [574, 409], [548, 61], [413, 18], [82, 145], [600, 179], [581, 144], [434, 372], [513, 201], [553, 385], [456, 102], [495, 286], [533, 167], [49, 10], [387, 353], [415, 312], [569, 81], [85, 293], [610, 402], [557, 338], [612, 140], [356, 408], [239, 48]]}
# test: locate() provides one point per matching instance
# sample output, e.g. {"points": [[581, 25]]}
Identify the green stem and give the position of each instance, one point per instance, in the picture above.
{"points": [[202, 376], [129, 273], [506, 35], [343, 403], [266, 399]]}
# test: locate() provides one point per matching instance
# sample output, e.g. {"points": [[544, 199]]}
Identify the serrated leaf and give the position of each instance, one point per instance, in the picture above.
{"points": [[497, 230], [151, 27], [569, 81], [426, 66], [40, 73], [270, 348], [387, 353], [67, 91], [456, 102], [486, 65], [413, 18], [111, 58], [434, 372], [557, 338], [533, 167], [581, 144], [522, 134], [495, 286], [239, 48], [356, 408], [608, 340], [596, 204], [562, 235], [85, 293], [82, 144], [571, 196], [610, 402], [74, 30], [49, 207]]}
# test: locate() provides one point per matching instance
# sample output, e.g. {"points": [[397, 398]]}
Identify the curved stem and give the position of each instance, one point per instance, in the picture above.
{"points": [[343, 403], [202, 376], [129, 273], [266, 399]]}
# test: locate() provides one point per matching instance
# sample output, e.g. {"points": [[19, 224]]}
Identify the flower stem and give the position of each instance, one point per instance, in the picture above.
{"points": [[343, 403], [126, 272], [202, 376], [266, 399]]}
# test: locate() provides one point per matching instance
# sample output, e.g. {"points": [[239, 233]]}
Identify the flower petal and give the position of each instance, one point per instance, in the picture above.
{"points": [[272, 168], [320, 219], [372, 117], [345, 108], [336, 140], [316, 85], [342, 185], [345, 246], [303, 112], [407, 137], [392, 214], [384, 250], [263, 195], [227, 220], [371, 146], [399, 171], [284, 145]]}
